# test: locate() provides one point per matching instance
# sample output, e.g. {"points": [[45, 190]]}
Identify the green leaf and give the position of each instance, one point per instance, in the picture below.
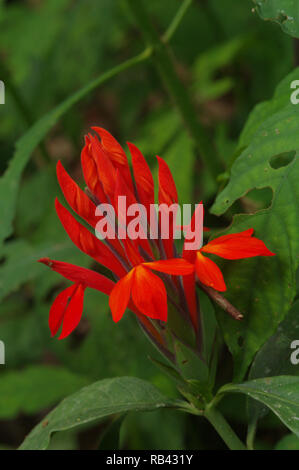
{"points": [[274, 357], [35, 388], [162, 135], [190, 364], [280, 394], [289, 442], [264, 287], [20, 262], [209, 63], [283, 12], [266, 109], [95, 402]]}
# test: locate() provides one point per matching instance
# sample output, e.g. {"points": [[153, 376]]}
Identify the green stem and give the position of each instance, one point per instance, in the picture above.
{"points": [[162, 59], [139, 58], [223, 428], [20, 103], [251, 435], [177, 20]]}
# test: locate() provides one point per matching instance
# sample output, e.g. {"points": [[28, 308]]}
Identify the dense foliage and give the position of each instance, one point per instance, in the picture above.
{"points": [[210, 93]]}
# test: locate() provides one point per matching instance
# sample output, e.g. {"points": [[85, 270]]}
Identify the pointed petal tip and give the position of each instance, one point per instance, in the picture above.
{"points": [[45, 261]]}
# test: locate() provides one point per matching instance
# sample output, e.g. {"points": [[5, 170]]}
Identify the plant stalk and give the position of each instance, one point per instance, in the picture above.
{"points": [[221, 301], [162, 59], [223, 428]]}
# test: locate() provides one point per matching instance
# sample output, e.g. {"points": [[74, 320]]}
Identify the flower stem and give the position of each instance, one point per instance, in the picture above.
{"points": [[162, 59], [223, 428], [221, 301]]}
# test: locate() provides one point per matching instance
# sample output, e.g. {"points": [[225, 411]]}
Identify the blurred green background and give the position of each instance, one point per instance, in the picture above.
{"points": [[230, 60]]}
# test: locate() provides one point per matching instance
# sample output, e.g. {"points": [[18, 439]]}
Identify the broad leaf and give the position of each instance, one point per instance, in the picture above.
{"points": [[274, 357], [95, 402], [263, 288], [283, 12], [280, 394]]}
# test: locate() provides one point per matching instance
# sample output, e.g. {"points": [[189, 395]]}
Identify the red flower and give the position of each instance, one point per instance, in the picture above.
{"points": [[68, 305], [146, 290], [107, 176], [233, 246], [130, 261]]}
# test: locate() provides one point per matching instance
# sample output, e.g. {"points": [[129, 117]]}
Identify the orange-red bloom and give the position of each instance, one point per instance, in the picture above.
{"points": [[145, 275], [233, 246], [146, 290]]}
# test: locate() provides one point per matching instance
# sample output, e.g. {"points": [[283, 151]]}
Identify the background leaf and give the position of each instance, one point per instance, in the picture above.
{"points": [[95, 402], [34, 388], [280, 394], [273, 358], [268, 285], [289, 442], [283, 12]]}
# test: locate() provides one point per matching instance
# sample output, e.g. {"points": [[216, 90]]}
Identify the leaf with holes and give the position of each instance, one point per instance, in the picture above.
{"points": [[263, 288], [280, 394], [96, 402], [283, 12]]}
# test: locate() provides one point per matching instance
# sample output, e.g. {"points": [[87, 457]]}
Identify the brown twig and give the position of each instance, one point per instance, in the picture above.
{"points": [[221, 301]]}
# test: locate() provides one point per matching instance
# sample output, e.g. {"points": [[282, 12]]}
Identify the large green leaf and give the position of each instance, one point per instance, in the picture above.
{"points": [[283, 12], [274, 357], [263, 288], [35, 388], [95, 402], [280, 394]]}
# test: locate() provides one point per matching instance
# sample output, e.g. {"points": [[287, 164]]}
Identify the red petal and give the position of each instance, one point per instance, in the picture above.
{"points": [[120, 296], [87, 242], [197, 216], [116, 154], [149, 294], [121, 189], [175, 266], [90, 172], [73, 312], [167, 195], [237, 246], [58, 309], [208, 273], [167, 189], [84, 276], [111, 145], [143, 177], [76, 198], [105, 168]]}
